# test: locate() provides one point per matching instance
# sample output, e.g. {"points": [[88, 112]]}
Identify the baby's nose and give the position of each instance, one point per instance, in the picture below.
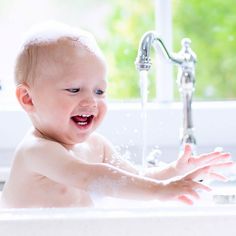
{"points": [[88, 101]]}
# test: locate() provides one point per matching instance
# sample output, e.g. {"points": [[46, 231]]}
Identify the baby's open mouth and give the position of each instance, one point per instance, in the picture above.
{"points": [[82, 120]]}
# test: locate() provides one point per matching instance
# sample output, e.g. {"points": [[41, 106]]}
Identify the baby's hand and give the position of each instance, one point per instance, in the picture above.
{"points": [[185, 188], [215, 160]]}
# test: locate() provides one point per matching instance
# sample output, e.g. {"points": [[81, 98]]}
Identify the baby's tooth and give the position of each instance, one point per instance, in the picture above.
{"points": [[82, 123]]}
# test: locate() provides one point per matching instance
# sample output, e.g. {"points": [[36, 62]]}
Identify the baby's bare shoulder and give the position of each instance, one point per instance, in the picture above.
{"points": [[104, 143], [37, 143], [97, 138], [33, 146]]}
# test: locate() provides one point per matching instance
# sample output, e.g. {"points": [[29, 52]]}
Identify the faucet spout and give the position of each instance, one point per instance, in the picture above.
{"points": [[149, 39]]}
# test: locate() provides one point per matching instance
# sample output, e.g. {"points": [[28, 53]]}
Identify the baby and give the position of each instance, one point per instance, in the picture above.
{"points": [[61, 84]]}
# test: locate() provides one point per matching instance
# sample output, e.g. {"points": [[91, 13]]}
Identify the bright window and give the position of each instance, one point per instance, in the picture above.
{"points": [[119, 25], [211, 26]]}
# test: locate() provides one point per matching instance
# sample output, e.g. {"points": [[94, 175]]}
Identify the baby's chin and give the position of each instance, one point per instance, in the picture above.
{"points": [[76, 140], [63, 139]]}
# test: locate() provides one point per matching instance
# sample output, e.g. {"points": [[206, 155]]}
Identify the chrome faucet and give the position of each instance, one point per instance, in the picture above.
{"points": [[185, 60], [186, 83]]}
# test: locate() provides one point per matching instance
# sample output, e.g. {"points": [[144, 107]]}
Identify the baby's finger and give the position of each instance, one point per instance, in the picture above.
{"points": [[210, 157], [193, 193], [216, 176], [223, 165], [212, 175], [221, 158], [198, 172], [186, 152], [209, 174], [206, 156], [198, 185], [185, 200]]}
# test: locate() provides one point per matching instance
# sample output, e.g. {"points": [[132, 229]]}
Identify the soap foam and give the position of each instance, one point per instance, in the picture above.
{"points": [[52, 31]]}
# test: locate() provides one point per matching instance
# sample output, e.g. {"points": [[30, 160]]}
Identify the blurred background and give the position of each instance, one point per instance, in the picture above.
{"points": [[118, 26]]}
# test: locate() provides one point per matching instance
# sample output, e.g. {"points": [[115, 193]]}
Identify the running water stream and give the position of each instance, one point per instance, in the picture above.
{"points": [[144, 97]]}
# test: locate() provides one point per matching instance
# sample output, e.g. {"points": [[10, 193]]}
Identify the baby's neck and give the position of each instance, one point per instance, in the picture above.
{"points": [[39, 134]]}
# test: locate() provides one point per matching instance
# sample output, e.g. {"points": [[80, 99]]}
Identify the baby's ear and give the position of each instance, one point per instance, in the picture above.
{"points": [[24, 97]]}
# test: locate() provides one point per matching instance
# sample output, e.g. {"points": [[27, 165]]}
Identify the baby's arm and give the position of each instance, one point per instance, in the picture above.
{"points": [[112, 157], [52, 160], [184, 164]]}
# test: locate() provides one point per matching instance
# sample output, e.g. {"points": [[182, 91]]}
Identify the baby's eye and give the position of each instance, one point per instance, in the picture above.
{"points": [[99, 91], [73, 90]]}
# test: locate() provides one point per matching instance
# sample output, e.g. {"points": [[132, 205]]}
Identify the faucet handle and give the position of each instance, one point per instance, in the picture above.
{"points": [[188, 55], [185, 42], [186, 72]]}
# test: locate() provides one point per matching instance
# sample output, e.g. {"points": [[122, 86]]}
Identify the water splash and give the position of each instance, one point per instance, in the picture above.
{"points": [[154, 156]]}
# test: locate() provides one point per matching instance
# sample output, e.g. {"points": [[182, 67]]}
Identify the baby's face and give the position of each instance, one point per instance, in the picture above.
{"points": [[69, 95]]}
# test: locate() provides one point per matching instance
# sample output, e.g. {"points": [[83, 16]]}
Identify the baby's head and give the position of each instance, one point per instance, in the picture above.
{"points": [[60, 75], [53, 41]]}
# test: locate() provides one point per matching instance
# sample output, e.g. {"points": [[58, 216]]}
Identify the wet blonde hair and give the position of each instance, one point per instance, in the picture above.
{"points": [[42, 39]]}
